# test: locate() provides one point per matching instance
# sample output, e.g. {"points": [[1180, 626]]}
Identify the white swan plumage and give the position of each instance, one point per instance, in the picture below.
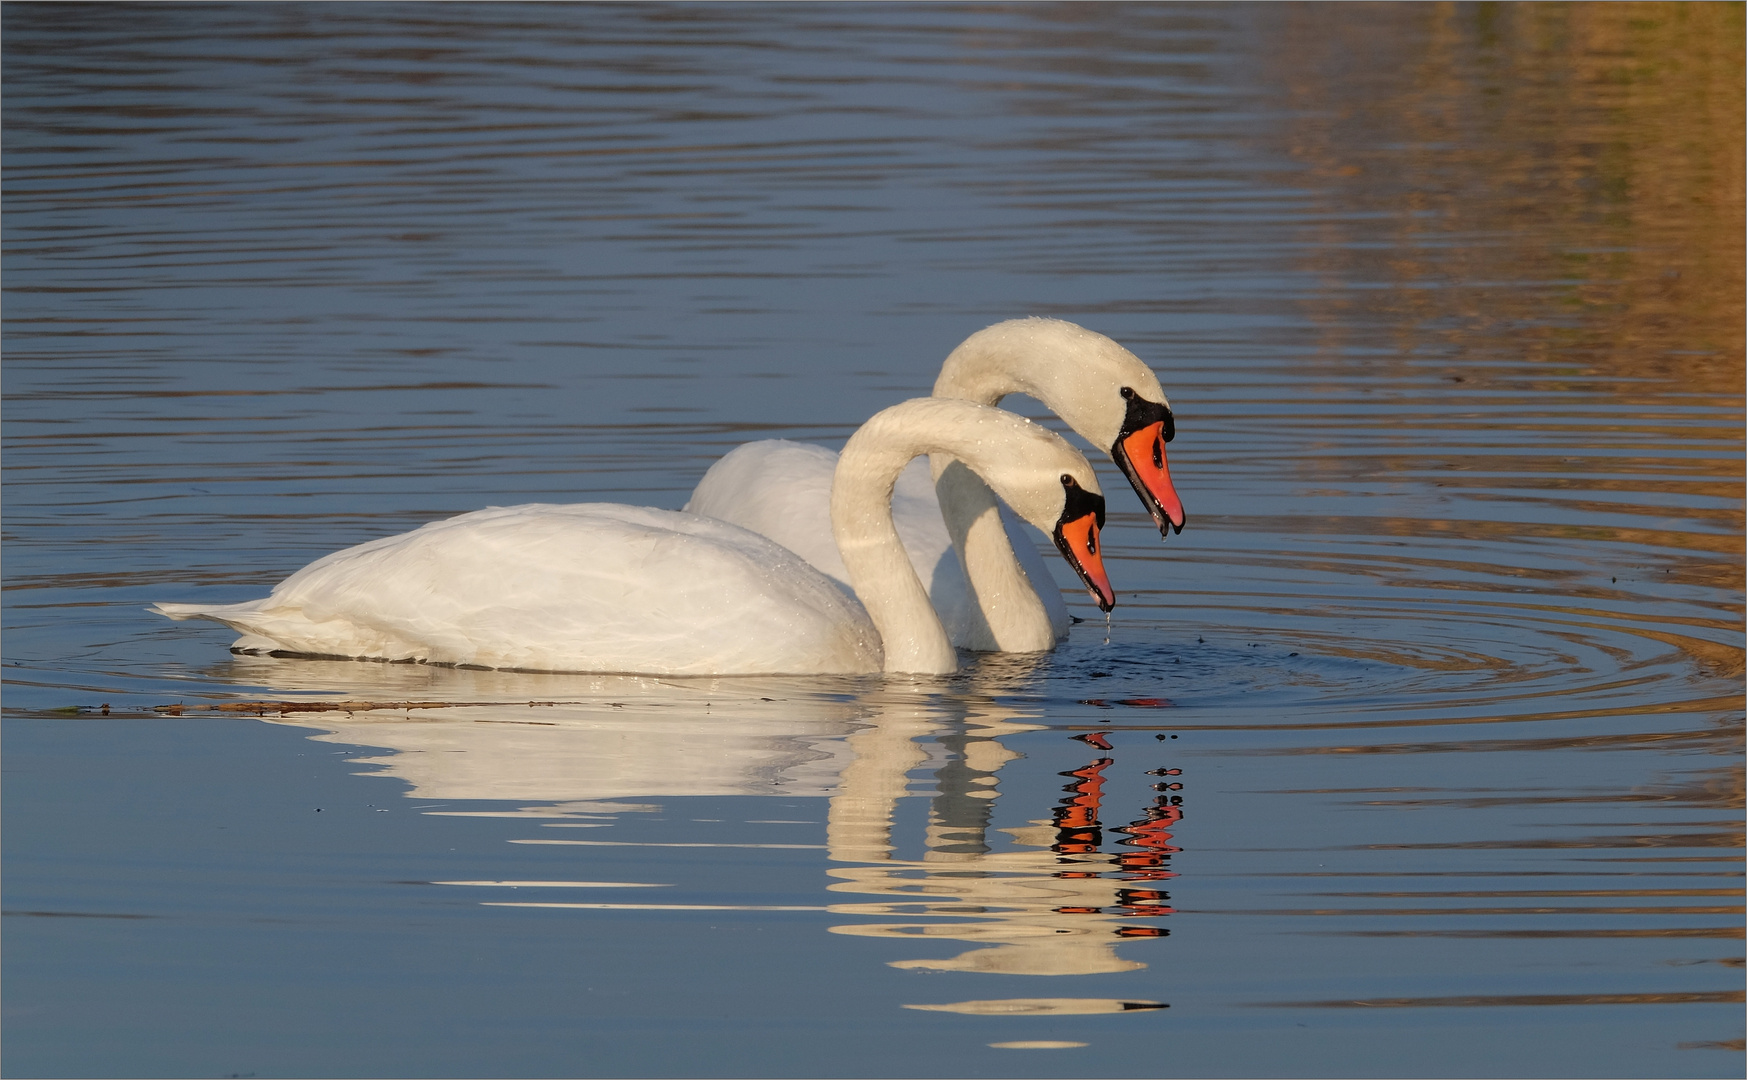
{"points": [[607, 587], [540, 587], [782, 490], [997, 594]]}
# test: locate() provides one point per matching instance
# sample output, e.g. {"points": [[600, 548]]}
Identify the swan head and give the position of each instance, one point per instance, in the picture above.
{"points": [[1076, 537], [1139, 451], [1100, 389], [1052, 486]]}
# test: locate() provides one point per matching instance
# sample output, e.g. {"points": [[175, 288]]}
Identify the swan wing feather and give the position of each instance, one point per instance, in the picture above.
{"points": [[586, 587]]}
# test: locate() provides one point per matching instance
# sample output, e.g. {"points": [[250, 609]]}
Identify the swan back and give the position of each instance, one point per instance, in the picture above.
{"points": [[782, 490]]}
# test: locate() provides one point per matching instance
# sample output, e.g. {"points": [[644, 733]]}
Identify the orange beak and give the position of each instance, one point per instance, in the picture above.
{"points": [[1078, 541], [1141, 456]]}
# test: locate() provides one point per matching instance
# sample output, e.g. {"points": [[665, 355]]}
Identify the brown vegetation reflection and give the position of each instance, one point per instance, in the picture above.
{"points": [[1526, 230], [1561, 181]]}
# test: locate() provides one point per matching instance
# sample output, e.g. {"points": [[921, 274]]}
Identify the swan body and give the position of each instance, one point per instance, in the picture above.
{"points": [[591, 586], [607, 587], [992, 600]]}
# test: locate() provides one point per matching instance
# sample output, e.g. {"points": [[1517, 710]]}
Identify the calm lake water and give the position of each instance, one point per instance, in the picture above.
{"points": [[1416, 754]]}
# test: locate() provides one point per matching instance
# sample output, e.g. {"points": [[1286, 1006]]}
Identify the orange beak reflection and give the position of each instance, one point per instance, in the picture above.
{"points": [[1078, 541], [1142, 458]]}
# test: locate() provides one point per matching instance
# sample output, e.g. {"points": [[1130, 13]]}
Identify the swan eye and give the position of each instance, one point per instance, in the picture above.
{"points": [[1142, 414], [1078, 502]]}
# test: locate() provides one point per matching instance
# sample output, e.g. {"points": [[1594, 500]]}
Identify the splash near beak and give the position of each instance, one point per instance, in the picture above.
{"points": [[1141, 456]]}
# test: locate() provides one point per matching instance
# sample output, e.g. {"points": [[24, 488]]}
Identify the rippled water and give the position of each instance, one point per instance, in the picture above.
{"points": [[1417, 753]]}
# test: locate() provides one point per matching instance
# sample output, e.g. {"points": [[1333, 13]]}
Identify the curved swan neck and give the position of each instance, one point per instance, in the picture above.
{"points": [[1076, 373], [879, 569], [1071, 370], [1014, 618], [1022, 461]]}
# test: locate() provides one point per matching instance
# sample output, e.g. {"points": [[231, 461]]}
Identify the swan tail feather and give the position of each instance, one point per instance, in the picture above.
{"points": [[181, 612]]}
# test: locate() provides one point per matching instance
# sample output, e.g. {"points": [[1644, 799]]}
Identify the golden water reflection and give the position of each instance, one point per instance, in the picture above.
{"points": [[1529, 161]]}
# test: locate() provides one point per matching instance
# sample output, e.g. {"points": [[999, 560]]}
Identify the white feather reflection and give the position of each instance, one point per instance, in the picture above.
{"points": [[1045, 911], [588, 741], [1031, 902]]}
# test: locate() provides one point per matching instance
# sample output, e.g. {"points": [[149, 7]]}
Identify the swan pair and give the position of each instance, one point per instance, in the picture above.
{"points": [[987, 596], [608, 587]]}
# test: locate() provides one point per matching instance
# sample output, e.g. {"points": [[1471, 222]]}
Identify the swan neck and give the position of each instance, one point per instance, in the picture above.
{"points": [[988, 366], [1014, 618], [1019, 460], [1076, 373], [879, 568]]}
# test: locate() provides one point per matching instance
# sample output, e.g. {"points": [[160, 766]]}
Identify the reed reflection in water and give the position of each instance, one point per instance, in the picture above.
{"points": [[1448, 303]]}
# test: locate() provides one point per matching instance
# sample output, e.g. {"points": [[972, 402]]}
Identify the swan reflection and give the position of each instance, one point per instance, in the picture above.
{"points": [[589, 745], [1059, 908], [1055, 896]]}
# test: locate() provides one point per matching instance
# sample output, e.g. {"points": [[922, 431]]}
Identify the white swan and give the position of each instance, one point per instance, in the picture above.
{"points": [[606, 587], [987, 597]]}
